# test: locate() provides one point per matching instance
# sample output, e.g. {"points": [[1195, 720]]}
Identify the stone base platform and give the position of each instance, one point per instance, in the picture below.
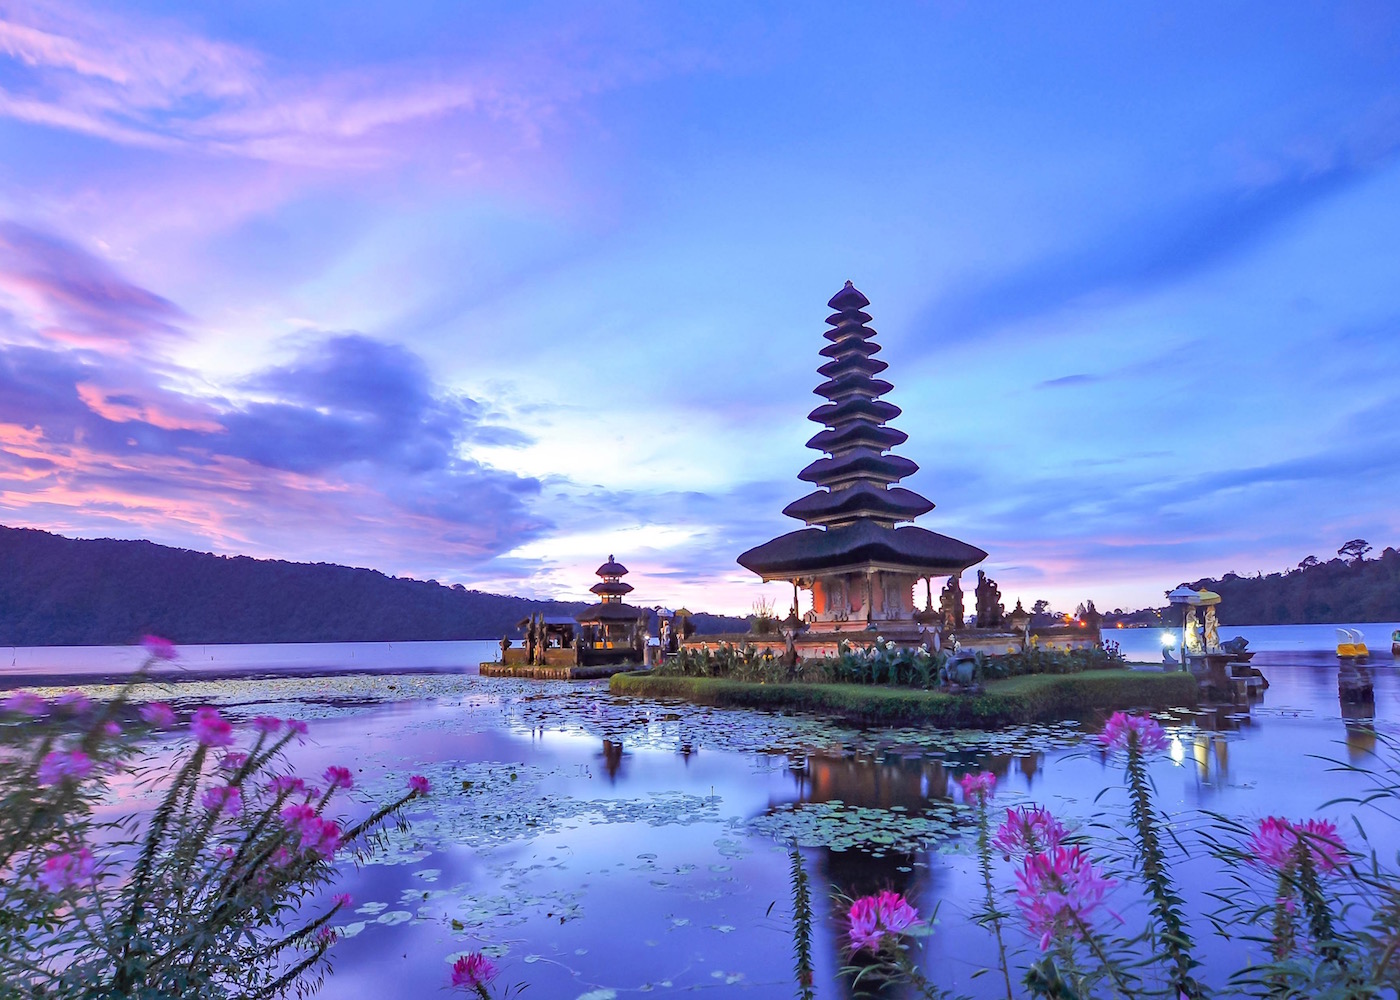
{"points": [[569, 672]]}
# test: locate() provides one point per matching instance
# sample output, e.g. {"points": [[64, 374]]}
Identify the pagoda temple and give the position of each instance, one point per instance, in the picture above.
{"points": [[859, 557], [611, 631]]}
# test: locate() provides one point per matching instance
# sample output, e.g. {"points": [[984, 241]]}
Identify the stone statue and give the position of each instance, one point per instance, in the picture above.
{"points": [[505, 644], [1193, 634], [989, 607], [950, 604], [1212, 630], [1235, 646]]}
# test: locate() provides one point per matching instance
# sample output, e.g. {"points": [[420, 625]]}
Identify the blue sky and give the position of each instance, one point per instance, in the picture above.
{"points": [[482, 293]]}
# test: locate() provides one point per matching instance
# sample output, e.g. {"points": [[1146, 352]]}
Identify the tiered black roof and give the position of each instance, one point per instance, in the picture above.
{"points": [[858, 475], [611, 590], [858, 504]]}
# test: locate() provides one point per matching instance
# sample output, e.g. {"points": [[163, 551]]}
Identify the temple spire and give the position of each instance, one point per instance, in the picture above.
{"points": [[857, 475]]}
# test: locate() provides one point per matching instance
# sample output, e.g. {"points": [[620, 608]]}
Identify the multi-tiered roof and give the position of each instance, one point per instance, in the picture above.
{"points": [[855, 511], [611, 590]]}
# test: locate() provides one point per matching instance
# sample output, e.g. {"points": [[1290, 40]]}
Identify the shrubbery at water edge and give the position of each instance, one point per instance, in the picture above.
{"points": [[882, 662]]}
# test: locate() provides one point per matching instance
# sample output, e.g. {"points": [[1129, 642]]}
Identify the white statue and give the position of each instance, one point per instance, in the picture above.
{"points": [[1193, 633], [1212, 630]]}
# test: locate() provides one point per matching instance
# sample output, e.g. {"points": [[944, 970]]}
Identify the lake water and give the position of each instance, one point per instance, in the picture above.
{"points": [[605, 847]]}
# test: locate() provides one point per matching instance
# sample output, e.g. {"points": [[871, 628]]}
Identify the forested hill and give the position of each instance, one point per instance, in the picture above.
{"points": [[64, 591], [1339, 590]]}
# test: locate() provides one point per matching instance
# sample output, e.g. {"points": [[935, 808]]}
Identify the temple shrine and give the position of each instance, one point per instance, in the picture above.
{"points": [[611, 631], [860, 556]]}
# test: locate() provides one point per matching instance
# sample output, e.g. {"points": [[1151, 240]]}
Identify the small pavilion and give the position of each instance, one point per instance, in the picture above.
{"points": [[859, 556], [611, 631]]}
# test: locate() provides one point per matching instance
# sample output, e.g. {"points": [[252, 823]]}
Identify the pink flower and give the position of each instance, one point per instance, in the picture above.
{"points": [[25, 703], [472, 971], [323, 837], [1028, 830], [1124, 731], [225, 853], [1058, 892], [872, 917], [233, 760], [339, 777], [158, 648], [267, 724], [978, 786], [297, 726], [111, 729], [281, 858], [296, 816], [222, 798], [210, 728], [341, 899], [286, 783], [1275, 844], [326, 935], [73, 702], [64, 870], [418, 785], [62, 764], [158, 713]]}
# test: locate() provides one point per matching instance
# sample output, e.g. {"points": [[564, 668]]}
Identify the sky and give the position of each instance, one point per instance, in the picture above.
{"points": [[484, 292]]}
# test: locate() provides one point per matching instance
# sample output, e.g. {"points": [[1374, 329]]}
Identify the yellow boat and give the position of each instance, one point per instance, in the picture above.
{"points": [[1351, 644]]}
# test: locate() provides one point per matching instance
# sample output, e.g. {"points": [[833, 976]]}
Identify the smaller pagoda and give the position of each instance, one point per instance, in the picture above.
{"points": [[611, 631]]}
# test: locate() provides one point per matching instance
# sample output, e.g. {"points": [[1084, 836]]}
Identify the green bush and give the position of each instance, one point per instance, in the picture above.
{"points": [[881, 663], [1012, 701]]}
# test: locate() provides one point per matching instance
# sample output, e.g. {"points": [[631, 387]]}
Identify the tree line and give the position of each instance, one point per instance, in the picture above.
{"points": [[57, 591]]}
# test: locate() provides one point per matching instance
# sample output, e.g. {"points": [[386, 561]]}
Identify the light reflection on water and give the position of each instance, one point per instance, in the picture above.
{"points": [[640, 872]]}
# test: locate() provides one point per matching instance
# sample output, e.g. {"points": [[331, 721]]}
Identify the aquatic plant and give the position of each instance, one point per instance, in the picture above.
{"points": [[1137, 736], [473, 973], [212, 893], [801, 926], [879, 928], [977, 788]]}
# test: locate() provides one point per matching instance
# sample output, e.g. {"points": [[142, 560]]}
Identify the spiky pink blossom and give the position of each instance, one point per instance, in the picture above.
{"points": [[472, 971], [872, 917], [158, 648], [267, 724], [226, 799], [326, 936], [1123, 730], [1276, 841], [280, 858], [233, 760], [342, 899], [287, 783], [297, 726], [322, 838], [978, 786], [25, 703], [225, 853], [62, 764], [339, 777], [73, 702], [1028, 830], [210, 728], [111, 729], [1058, 892], [158, 713], [418, 784], [64, 870]]}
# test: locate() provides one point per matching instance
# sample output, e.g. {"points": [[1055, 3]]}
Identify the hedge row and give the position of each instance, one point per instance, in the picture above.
{"points": [[1016, 700]]}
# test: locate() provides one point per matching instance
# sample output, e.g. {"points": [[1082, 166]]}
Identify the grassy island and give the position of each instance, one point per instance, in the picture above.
{"points": [[1013, 700]]}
